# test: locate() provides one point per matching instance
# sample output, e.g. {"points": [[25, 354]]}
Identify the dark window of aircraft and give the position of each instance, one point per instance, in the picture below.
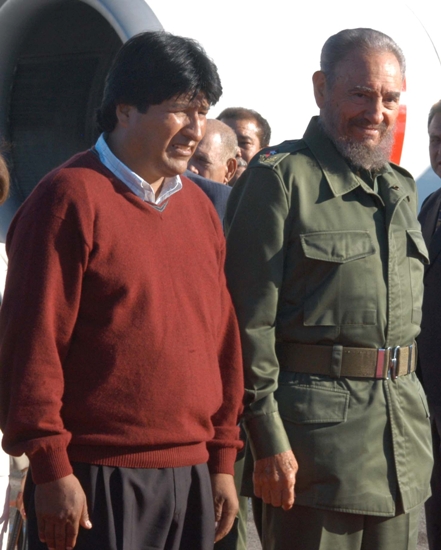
{"points": [[57, 86]]}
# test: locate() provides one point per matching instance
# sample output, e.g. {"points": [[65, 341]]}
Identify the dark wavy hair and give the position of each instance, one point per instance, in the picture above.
{"points": [[241, 113], [152, 67]]}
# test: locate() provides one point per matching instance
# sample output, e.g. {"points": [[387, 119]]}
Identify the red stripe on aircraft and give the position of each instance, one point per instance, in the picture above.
{"points": [[400, 130]]}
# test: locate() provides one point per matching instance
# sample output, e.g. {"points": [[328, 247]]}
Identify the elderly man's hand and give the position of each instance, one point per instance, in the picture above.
{"points": [[226, 503], [274, 479], [61, 509]]}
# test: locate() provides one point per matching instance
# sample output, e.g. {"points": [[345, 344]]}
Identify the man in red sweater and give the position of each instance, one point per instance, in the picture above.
{"points": [[120, 371]]}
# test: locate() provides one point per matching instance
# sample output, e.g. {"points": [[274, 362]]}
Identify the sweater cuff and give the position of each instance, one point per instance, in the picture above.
{"points": [[49, 465], [266, 435], [222, 460]]}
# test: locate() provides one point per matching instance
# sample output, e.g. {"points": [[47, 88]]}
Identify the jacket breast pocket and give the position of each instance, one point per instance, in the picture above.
{"points": [[418, 256], [340, 278]]}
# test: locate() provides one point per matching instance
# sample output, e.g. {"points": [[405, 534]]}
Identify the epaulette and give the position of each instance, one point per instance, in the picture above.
{"points": [[272, 156], [401, 170]]}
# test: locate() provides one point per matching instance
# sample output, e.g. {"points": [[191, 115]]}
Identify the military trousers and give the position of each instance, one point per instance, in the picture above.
{"points": [[433, 505], [305, 528]]}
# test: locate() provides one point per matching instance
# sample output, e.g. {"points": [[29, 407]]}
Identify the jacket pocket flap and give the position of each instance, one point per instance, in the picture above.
{"points": [[337, 246], [312, 404], [417, 239]]}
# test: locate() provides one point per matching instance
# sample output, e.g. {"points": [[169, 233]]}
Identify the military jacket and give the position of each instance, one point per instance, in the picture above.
{"points": [[315, 255]]}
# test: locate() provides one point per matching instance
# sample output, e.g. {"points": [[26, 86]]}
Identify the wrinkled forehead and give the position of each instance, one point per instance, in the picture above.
{"points": [[211, 136], [369, 64], [435, 125], [244, 127]]}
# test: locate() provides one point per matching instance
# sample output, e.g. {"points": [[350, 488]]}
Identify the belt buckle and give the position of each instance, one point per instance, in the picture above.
{"points": [[393, 362]]}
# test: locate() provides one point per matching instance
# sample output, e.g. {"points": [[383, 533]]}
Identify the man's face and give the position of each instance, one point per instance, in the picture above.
{"points": [[160, 142], [248, 138], [209, 159], [435, 143], [359, 109]]}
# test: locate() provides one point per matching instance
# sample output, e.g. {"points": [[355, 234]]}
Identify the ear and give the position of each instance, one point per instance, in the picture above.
{"points": [[319, 82], [231, 170], [192, 168], [123, 113]]}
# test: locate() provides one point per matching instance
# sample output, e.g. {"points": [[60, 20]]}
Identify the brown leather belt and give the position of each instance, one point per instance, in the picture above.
{"points": [[337, 361]]}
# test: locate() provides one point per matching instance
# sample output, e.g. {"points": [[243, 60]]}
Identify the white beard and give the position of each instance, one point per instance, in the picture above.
{"points": [[361, 154]]}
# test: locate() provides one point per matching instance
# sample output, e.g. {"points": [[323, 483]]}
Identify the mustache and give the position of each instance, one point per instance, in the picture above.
{"points": [[361, 122]]}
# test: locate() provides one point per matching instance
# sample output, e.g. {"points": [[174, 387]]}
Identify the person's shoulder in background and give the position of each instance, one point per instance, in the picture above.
{"points": [[218, 193]]}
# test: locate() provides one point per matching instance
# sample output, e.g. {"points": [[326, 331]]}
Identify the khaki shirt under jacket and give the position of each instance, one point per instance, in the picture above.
{"points": [[316, 256]]}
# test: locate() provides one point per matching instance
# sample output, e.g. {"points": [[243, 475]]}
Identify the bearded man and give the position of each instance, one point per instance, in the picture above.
{"points": [[325, 262]]}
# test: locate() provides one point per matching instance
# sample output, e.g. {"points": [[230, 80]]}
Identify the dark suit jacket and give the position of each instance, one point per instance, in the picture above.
{"points": [[216, 192], [429, 341]]}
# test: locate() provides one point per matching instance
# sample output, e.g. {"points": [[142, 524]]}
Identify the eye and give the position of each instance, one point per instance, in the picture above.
{"points": [[359, 98], [178, 111], [391, 101], [244, 145], [202, 161]]}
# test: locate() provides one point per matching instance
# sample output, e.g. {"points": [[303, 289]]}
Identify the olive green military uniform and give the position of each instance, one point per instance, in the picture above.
{"points": [[320, 255]]}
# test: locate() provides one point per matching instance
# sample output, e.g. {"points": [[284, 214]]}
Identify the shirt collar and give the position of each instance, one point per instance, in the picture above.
{"points": [[135, 183]]}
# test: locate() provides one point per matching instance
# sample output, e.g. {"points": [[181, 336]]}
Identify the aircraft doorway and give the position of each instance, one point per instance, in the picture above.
{"points": [[54, 56], [58, 83]]}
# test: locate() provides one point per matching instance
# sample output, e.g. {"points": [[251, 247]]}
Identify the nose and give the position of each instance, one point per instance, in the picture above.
{"points": [[192, 169], [195, 127], [375, 111]]}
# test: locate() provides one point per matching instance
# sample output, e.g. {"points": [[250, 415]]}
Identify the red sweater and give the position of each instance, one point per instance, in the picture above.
{"points": [[119, 343]]}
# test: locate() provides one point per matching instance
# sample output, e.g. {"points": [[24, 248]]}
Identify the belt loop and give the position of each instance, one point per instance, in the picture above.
{"points": [[409, 359], [381, 361], [336, 360], [415, 351], [386, 369]]}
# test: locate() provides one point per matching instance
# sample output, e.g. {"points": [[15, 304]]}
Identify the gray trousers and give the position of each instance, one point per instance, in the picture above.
{"points": [[140, 509]]}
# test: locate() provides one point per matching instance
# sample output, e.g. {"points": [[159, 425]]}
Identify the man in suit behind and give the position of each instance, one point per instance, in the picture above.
{"points": [[216, 192], [215, 157], [429, 341], [214, 163]]}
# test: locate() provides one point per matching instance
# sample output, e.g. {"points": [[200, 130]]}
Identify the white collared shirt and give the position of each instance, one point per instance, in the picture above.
{"points": [[135, 183]]}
